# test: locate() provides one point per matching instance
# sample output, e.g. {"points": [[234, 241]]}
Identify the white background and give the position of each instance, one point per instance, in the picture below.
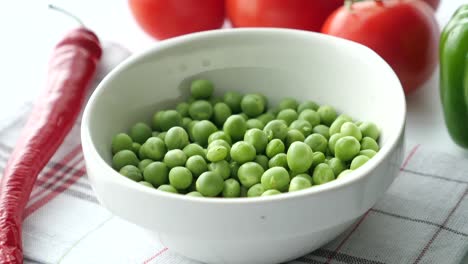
{"points": [[29, 31]]}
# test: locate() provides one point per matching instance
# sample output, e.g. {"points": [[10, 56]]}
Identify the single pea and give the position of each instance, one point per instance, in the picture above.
{"points": [[346, 148], [264, 99], [270, 192], [307, 105], [276, 129], [305, 176], [335, 127], [288, 103], [262, 160], [252, 105], [317, 158], [200, 110], [288, 115], [234, 167], [136, 147], [279, 160], [140, 132], [231, 188], [162, 136], [233, 100], [201, 89], [368, 152], [254, 123], [156, 120], [250, 173], [322, 130], [317, 142], [358, 161], [322, 174], [235, 126], [350, 129], [265, 118], [274, 147], [299, 157], [303, 126], [221, 112], [154, 148], [174, 158], [194, 149], [180, 177], [185, 123], [190, 128], [293, 135], [327, 114], [242, 152], [176, 138], [310, 116], [210, 184], [183, 109], [344, 173], [220, 142], [169, 118], [299, 183], [245, 116], [167, 188], [197, 165], [147, 184], [194, 194], [144, 163], [156, 173], [221, 168], [257, 138], [120, 142], [216, 153], [336, 165], [369, 129], [202, 130], [275, 178], [131, 172], [219, 135], [332, 142], [123, 158], [255, 190], [369, 143]]}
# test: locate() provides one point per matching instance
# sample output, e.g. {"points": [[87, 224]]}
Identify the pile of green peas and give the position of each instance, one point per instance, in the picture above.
{"points": [[235, 146]]}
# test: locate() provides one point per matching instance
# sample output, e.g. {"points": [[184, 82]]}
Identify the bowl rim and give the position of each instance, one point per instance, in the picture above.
{"points": [[90, 152]]}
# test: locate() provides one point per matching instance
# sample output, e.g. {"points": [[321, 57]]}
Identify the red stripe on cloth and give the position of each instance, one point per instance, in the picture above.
{"points": [[155, 255], [436, 234], [338, 248]]}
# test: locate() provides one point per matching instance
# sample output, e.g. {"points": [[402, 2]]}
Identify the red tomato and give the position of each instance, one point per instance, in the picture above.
{"points": [[403, 32], [163, 19], [298, 14]]}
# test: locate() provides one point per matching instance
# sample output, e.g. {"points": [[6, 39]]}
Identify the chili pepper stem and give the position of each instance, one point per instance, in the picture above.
{"points": [[67, 13]]}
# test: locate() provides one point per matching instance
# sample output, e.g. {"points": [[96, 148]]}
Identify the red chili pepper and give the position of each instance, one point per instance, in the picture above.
{"points": [[71, 70]]}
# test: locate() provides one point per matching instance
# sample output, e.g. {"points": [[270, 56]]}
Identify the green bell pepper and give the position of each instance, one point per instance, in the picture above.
{"points": [[453, 55]]}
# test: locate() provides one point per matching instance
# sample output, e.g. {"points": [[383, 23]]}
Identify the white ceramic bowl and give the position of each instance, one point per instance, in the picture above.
{"points": [[278, 63]]}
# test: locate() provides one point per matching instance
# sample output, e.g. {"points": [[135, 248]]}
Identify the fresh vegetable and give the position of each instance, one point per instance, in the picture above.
{"points": [[403, 32], [454, 75], [297, 14], [71, 70], [164, 19]]}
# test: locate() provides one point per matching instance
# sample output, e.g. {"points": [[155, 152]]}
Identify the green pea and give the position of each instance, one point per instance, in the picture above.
{"points": [[235, 126], [369, 143], [327, 114], [220, 142], [221, 112], [234, 167], [344, 173], [144, 163], [276, 129], [231, 188], [123, 158], [288, 103], [322, 174], [368, 152], [176, 138], [310, 116], [233, 100], [358, 161], [167, 188], [322, 130], [193, 149], [287, 115], [147, 184], [332, 141], [201, 89], [279, 160], [245, 116], [156, 173], [275, 178], [174, 158], [154, 148], [157, 120], [299, 157], [305, 176], [131, 172], [303, 126], [136, 147], [180, 177], [257, 138], [197, 165], [194, 194], [317, 142], [186, 122], [168, 119], [250, 173], [265, 118], [120, 142], [162, 136], [270, 192], [200, 110], [336, 165], [293, 135], [252, 105], [255, 190], [190, 128], [221, 168], [219, 135], [274, 147], [299, 183], [262, 160], [350, 129], [346, 148], [307, 105], [210, 184], [335, 127], [216, 153], [140, 132], [317, 158], [202, 130], [242, 152], [183, 109], [254, 123], [369, 129]]}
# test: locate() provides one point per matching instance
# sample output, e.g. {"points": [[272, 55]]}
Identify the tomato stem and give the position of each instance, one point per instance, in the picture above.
{"points": [[65, 12]]}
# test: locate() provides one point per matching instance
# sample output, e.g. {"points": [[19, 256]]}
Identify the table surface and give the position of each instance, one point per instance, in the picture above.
{"points": [[29, 32]]}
